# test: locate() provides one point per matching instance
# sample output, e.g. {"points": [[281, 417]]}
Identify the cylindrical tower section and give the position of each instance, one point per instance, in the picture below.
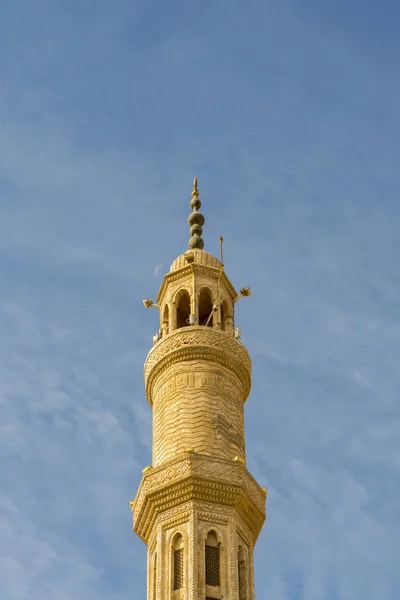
{"points": [[197, 380]]}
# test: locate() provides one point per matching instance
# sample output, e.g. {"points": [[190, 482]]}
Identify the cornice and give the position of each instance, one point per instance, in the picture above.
{"points": [[193, 343], [197, 269], [197, 335], [198, 478]]}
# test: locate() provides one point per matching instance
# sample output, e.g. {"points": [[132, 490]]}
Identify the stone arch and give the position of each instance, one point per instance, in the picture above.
{"points": [[205, 307], [177, 540], [212, 559], [182, 303], [212, 537], [177, 552]]}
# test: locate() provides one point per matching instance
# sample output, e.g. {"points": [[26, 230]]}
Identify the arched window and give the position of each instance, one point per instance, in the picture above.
{"points": [[165, 320], [183, 310], [242, 575], [155, 576], [178, 562], [212, 560], [205, 309]]}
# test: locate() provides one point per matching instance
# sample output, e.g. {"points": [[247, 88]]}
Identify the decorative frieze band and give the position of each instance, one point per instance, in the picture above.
{"points": [[198, 346], [197, 336]]}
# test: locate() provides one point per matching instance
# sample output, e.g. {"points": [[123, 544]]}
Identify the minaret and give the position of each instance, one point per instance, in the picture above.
{"points": [[198, 509]]}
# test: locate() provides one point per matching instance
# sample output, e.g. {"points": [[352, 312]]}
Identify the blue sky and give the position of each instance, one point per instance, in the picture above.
{"points": [[288, 113]]}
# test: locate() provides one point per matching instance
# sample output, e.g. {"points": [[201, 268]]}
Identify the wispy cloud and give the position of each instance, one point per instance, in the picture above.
{"points": [[105, 117]]}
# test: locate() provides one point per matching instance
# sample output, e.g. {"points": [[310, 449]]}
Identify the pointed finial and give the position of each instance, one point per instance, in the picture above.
{"points": [[196, 219]]}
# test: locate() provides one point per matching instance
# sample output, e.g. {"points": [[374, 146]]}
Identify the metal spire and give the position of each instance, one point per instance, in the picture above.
{"points": [[196, 219]]}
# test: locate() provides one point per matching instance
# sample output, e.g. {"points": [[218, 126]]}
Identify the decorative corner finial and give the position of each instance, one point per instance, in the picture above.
{"points": [[196, 220]]}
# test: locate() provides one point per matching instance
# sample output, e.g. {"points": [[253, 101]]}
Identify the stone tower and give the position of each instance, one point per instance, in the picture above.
{"points": [[198, 509]]}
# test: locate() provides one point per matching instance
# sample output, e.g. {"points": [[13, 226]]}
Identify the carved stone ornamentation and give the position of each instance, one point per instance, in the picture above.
{"points": [[198, 508]]}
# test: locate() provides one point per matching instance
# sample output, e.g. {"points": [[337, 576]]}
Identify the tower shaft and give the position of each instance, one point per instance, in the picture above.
{"points": [[198, 509]]}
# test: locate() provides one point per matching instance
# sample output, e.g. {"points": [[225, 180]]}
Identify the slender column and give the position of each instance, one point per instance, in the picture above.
{"points": [[250, 574], [173, 317], [216, 314], [232, 558], [149, 573], [229, 324], [165, 321], [161, 553], [193, 559]]}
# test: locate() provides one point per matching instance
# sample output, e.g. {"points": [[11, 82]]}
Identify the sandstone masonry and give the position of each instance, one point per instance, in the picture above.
{"points": [[198, 509]]}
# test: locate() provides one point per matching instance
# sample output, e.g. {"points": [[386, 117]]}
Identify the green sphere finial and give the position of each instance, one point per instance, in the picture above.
{"points": [[196, 220]]}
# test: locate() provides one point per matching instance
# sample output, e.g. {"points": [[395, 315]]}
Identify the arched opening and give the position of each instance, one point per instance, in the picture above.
{"points": [[177, 547], [242, 575], [212, 560], [165, 321], [205, 309], [183, 310]]}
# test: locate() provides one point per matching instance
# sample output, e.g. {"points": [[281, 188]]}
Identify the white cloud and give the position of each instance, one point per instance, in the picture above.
{"points": [[297, 170]]}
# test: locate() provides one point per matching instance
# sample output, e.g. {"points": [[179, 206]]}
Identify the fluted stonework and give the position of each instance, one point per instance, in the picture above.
{"points": [[198, 509]]}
